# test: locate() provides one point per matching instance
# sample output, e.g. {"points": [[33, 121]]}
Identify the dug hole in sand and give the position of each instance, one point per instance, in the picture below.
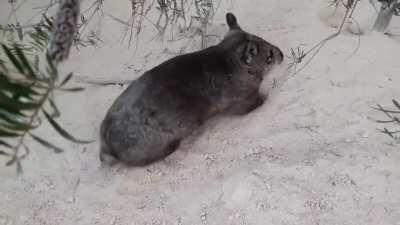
{"points": [[310, 155]]}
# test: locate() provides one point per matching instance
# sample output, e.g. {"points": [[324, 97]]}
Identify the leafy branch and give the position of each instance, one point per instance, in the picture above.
{"points": [[27, 88]]}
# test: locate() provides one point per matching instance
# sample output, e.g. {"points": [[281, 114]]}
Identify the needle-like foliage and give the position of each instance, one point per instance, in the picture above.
{"points": [[392, 118], [27, 86]]}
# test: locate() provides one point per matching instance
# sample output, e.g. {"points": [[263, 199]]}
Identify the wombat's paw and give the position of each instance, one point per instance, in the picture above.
{"points": [[249, 104], [259, 99], [107, 159]]}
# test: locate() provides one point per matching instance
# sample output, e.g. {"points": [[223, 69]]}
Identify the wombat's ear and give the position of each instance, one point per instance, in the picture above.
{"points": [[232, 22], [248, 52]]}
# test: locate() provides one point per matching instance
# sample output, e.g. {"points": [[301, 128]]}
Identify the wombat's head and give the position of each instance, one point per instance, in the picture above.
{"points": [[250, 50]]}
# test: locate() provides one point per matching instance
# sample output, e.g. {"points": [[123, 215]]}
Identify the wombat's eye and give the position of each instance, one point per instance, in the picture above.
{"points": [[270, 57]]}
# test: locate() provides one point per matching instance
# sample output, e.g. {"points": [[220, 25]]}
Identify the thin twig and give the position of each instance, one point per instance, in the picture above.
{"points": [[316, 48], [358, 40]]}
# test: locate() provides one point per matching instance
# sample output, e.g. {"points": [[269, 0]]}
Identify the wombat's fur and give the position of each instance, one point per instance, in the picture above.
{"points": [[151, 117]]}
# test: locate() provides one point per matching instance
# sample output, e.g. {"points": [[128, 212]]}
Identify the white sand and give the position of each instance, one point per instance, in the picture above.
{"points": [[310, 155]]}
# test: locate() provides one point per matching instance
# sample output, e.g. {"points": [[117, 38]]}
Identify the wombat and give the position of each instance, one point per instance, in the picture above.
{"points": [[149, 119]]}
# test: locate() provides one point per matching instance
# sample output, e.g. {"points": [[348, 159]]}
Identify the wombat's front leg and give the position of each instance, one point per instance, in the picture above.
{"points": [[248, 104]]}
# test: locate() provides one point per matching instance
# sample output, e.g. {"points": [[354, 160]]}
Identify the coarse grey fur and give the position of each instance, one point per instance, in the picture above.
{"points": [[149, 119]]}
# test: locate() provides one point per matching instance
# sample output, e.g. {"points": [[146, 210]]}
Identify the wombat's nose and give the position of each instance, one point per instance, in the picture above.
{"points": [[280, 55]]}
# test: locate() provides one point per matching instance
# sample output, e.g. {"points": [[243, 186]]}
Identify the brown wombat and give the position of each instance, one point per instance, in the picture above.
{"points": [[149, 119]]}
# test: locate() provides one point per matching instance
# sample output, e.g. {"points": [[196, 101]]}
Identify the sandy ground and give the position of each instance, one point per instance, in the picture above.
{"points": [[310, 155]]}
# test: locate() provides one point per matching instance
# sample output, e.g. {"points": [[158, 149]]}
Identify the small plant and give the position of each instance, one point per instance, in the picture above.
{"points": [[204, 13], [392, 118], [170, 13], [297, 57]]}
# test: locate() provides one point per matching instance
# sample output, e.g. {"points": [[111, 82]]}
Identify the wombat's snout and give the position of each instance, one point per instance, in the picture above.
{"points": [[279, 54]]}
